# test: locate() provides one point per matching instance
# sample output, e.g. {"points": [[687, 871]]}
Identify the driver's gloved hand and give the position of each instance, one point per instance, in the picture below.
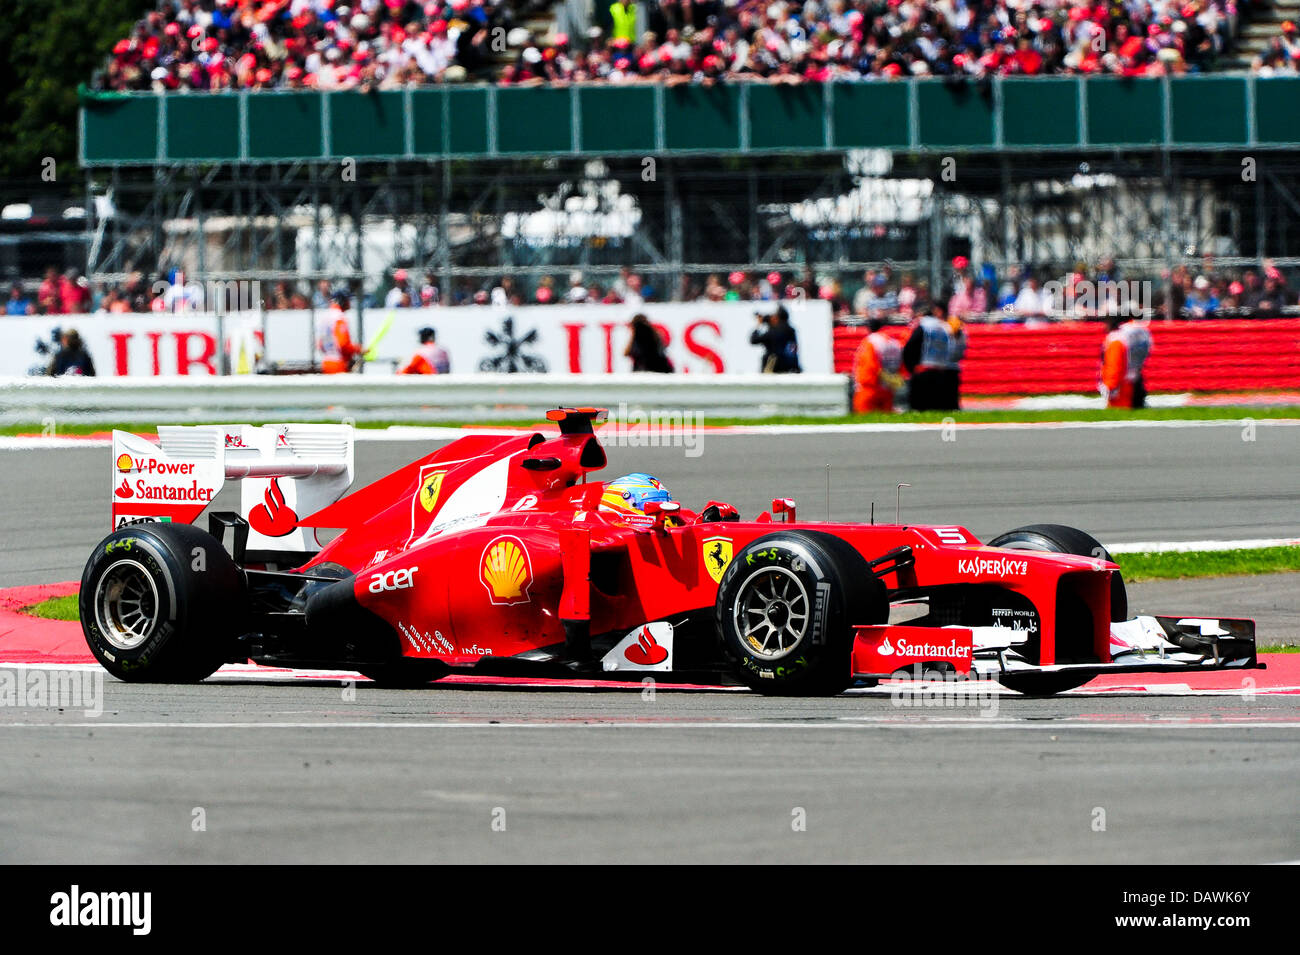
{"points": [[718, 511]]}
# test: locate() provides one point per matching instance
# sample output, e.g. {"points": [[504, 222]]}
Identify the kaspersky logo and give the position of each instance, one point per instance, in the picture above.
{"points": [[993, 566]]}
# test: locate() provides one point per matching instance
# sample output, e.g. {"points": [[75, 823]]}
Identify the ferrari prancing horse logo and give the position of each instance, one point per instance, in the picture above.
{"points": [[430, 487], [717, 555]]}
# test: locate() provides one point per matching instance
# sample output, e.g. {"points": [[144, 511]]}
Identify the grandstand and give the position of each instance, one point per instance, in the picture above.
{"points": [[291, 143]]}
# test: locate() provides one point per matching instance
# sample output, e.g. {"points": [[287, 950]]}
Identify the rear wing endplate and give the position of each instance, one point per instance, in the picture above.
{"points": [[286, 472]]}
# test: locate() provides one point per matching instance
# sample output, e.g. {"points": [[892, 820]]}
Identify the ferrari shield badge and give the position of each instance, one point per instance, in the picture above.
{"points": [[717, 555], [429, 490]]}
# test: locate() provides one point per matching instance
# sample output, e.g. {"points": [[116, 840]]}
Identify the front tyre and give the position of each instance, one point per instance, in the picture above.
{"points": [[1061, 539], [786, 609], [161, 603]]}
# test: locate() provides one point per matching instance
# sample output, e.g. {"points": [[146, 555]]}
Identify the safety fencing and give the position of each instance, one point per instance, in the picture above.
{"points": [[674, 399], [1206, 355], [703, 338]]}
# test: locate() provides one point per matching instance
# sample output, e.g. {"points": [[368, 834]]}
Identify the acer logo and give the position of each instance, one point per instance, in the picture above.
{"points": [[393, 580]]}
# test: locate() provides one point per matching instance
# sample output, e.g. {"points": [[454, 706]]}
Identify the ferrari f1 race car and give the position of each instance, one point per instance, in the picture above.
{"points": [[496, 554]]}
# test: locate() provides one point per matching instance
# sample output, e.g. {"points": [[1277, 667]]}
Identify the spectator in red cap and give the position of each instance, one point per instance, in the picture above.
{"points": [[399, 296]]}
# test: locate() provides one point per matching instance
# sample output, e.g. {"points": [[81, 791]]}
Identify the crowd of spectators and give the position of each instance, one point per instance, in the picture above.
{"points": [[68, 293], [377, 44], [1282, 55], [296, 44], [1025, 295], [784, 41], [1016, 294]]}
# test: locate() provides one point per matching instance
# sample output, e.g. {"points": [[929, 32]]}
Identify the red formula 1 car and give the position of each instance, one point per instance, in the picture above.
{"points": [[496, 554]]}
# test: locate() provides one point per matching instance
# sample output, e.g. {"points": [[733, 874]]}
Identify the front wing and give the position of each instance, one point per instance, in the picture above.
{"points": [[1142, 645]]}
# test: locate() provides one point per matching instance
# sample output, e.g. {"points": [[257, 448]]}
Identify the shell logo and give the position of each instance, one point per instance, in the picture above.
{"points": [[506, 571], [124, 462]]}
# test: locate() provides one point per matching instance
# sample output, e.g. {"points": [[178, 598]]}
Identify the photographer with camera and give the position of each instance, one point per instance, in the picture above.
{"points": [[779, 341]]}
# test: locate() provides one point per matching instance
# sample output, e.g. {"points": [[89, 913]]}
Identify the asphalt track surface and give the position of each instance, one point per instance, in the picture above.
{"points": [[421, 776], [297, 771]]}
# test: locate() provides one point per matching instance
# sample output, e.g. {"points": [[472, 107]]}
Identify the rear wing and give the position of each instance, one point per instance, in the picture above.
{"points": [[286, 472]]}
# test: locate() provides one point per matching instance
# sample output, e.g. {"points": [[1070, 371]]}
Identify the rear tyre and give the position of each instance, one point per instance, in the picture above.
{"points": [[786, 609], [405, 675], [1060, 539], [162, 603]]}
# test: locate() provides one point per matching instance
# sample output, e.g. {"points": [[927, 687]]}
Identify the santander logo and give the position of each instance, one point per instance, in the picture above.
{"points": [[647, 651], [124, 490], [886, 649], [936, 651], [273, 518]]}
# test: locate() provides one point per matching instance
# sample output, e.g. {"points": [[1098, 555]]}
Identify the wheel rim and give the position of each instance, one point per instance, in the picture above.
{"points": [[126, 605], [771, 612]]}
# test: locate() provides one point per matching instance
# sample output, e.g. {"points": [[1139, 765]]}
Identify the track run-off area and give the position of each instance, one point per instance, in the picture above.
{"points": [[320, 767]]}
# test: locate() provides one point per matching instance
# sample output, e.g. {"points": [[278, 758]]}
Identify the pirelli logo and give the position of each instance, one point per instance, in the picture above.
{"points": [[821, 606]]}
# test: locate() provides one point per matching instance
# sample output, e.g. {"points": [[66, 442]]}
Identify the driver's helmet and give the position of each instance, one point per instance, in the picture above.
{"points": [[630, 493]]}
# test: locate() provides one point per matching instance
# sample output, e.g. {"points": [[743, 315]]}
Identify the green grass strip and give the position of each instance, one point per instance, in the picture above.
{"points": [[56, 608], [1208, 563], [1207, 413]]}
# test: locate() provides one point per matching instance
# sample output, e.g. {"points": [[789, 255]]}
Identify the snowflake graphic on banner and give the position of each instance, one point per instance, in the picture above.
{"points": [[511, 355]]}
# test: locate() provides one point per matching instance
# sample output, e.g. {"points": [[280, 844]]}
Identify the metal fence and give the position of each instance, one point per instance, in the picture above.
{"points": [[817, 183]]}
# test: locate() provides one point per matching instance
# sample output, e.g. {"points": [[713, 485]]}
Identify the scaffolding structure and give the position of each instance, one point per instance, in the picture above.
{"points": [[677, 220]]}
